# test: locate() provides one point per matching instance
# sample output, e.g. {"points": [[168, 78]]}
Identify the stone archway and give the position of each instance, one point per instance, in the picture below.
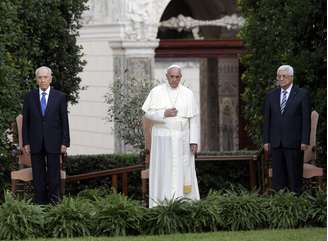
{"points": [[205, 10]]}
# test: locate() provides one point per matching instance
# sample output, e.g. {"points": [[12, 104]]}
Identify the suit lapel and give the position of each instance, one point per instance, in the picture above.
{"points": [[276, 97], [291, 96], [37, 102]]}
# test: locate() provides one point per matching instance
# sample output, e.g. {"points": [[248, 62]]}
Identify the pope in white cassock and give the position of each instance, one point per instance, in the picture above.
{"points": [[174, 140]]}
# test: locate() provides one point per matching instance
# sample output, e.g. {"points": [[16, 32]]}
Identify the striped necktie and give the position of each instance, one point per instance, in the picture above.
{"points": [[283, 101]]}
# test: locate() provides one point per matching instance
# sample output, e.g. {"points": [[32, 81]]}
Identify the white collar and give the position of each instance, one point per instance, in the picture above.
{"points": [[47, 91], [288, 89], [169, 88]]}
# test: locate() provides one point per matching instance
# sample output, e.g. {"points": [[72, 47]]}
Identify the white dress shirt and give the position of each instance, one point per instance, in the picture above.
{"points": [[47, 95], [288, 92]]}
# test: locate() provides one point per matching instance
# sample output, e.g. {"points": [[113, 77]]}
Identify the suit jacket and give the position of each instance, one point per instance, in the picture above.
{"points": [[292, 128], [49, 131]]}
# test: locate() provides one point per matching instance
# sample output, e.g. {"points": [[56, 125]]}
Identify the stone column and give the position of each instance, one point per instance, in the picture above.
{"points": [[135, 24], [118, 39], [209, 108], [228, 102], [132, 60]]}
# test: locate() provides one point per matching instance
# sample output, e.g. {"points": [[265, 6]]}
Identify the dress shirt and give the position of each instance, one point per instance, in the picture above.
{"points": [[288, 92], [47, 95]]}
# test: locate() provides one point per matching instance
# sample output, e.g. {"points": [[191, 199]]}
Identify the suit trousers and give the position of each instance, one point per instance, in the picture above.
{"points": [[287, 169], [46, 177]]}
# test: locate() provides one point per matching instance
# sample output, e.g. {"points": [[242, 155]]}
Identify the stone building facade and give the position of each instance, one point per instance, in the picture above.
{"points": [[121, 41]]}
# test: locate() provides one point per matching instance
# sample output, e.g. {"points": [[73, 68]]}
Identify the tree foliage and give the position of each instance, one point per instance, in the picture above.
{"points": [[284, 32], [35, 33], [49, 34], [125, 100]]}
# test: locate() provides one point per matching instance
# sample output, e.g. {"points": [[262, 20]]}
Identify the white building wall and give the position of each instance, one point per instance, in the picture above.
{"points": [[90, 132], [111, 28]]}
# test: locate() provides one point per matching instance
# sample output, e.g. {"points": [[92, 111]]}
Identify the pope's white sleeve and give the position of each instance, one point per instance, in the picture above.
{"points": [[157, 115], [194, 129], [154, 115]]}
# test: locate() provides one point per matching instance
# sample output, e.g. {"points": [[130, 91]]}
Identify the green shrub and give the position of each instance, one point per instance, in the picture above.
{"points": [[317, 211], [20, 219], [211, 175], [124, 100], [70, 218], [206, 214], [87, 163], [221, 175], [241, 210], [95, 212], [286, 210], [170, 216], [84, 163], [117, 215], [94, 194]]}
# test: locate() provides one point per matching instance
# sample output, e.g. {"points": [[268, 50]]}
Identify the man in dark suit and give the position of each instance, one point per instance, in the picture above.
{"points": [[286, 130], [45, 135]]}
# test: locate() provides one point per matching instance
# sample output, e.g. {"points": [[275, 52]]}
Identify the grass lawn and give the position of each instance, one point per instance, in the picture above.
{"points": [[305, 234]]}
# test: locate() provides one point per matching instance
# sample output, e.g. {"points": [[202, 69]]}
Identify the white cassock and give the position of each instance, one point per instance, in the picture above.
{"points": [[172, 165]]}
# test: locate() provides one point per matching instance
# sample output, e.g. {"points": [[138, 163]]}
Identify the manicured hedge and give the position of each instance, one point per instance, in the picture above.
{"points": [[87, 163], [211, 175]]}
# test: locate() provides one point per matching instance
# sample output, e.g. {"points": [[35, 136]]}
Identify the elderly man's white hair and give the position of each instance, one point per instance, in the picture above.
{"points": [[173, 66], [287, 68], [43, 67]]}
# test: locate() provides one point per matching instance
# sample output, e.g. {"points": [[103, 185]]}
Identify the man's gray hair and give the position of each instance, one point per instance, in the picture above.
{"points": [[287, 68], [43, 67], [173, 66]]}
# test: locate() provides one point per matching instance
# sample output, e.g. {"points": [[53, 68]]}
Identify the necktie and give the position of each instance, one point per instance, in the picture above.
{"points": [[283, 101], [43, 103]]}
